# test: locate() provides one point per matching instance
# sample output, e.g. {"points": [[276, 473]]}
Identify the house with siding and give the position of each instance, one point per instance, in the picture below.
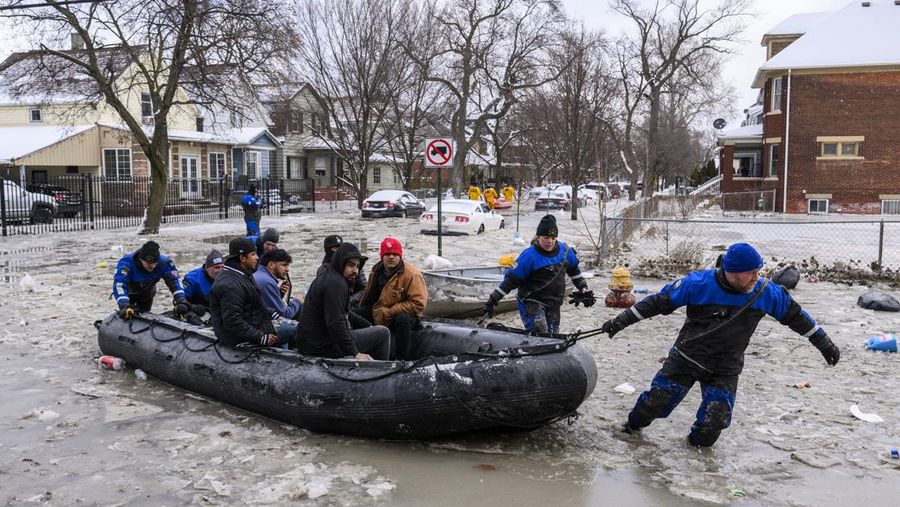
{"points": [[823, 136]]}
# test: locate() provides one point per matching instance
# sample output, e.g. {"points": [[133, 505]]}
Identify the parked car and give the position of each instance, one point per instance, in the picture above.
{"points": [[588, 197], [23, 205], [536, 192], [392, 203], [68, 203], [556, 200], [615, 191], [462, 216]]}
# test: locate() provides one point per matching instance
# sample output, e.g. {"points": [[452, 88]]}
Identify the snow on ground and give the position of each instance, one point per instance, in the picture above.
{"points": [[118, 440]]}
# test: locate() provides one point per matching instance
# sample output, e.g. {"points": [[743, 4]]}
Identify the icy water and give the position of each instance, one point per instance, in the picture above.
{"points": [[73, 434]]}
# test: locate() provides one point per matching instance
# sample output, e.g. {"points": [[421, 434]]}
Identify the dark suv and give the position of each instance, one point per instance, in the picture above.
{"points": [[68, 202]]}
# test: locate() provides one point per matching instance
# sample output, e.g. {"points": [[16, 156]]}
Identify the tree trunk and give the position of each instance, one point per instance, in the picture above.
{"points": [[653, 168], [157, 158]]}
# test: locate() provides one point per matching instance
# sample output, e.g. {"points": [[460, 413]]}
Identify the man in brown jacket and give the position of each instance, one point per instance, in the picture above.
{"points": [[395, 297]]}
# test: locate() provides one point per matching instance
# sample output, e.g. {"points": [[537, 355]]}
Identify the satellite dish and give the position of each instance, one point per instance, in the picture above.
{"points": [[719, 123]]}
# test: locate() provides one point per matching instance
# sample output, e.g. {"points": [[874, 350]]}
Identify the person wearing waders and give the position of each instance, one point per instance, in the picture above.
{"points": [[252, 214], [134, 284], [539, 274], [724, 306]]}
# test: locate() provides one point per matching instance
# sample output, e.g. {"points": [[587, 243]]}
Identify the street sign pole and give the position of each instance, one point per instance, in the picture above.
{"points": [[438, 153], [440, 250]]}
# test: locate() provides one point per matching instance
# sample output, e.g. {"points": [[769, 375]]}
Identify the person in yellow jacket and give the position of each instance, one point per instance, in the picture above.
{"points": [[474, 192], [489, 196], [509, 193]]}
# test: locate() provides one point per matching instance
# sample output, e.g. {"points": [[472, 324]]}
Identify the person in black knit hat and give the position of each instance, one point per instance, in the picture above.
{"points": [[134, 284], [331, 244], [539, 274]]}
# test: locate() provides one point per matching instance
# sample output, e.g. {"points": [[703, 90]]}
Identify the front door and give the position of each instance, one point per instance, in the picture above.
{"points": [[190, 177]]}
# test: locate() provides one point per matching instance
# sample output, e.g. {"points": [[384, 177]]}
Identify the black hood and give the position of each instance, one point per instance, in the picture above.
{"points": [[344, 252]]}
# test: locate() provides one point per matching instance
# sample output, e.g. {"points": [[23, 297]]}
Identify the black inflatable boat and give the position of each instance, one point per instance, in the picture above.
{"points": [[463, 378]]}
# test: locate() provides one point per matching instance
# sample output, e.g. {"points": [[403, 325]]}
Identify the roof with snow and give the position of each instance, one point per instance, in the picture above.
{"points": [[17, 142], [854, 36], [750, 133], [245, 136], [798, 24]]}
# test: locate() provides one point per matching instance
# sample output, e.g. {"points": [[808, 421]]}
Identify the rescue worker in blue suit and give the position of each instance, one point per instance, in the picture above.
{"points": [[724, 307], [198, 283], [134, 284], [252, 207], [539, 274]]}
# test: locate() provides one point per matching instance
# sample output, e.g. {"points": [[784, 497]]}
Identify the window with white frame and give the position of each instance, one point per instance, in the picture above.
{"points": [[252, 162], [117, 163], [890, 207], [839, 147], [146, 105], [320, 166], [376, 175], [817, 206], [35, 115], [774, 158], [776, 94], [216, 165]]}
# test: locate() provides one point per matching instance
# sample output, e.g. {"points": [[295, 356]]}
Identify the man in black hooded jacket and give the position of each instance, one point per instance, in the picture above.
{"points": [[324, 328], [237, 313], [359, 285]]}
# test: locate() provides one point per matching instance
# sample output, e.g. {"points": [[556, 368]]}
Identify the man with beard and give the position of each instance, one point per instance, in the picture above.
{"points": [[324, 328], [273, 269], [395, 297], [724, 306], [359, 285]]}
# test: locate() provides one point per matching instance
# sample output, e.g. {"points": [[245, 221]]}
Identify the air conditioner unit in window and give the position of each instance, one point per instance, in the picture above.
{"points": [[147, 120]]}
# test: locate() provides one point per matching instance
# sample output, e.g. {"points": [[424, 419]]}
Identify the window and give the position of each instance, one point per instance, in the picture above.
{"points": [[39, 177], [747, 163], [890, 207], [829, 149], [315, 123], [146, 105], [818, 206], [35, 115], [251, 164], [773, 159], [320, 166], [376, 175], [295, 121], [839, 149], [199, 124], [117, 163], [776, 94], [216, 165]]}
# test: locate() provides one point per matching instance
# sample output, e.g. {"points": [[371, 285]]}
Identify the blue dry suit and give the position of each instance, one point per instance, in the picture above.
{"points": [[252, 214], [197, 286], [710, 346], [132, 285], [540, 278]]}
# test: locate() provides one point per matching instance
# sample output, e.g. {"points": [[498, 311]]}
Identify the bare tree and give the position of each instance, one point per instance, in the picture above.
{"points": [[152, 45], [672, 37], [348, 53], [492, 52]]}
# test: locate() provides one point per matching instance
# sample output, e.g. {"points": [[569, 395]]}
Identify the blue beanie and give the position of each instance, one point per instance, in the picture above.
{"points": [[741, 257]]}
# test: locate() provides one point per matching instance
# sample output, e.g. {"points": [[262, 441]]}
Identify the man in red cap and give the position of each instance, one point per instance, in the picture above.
{"points": [[395, 297]]}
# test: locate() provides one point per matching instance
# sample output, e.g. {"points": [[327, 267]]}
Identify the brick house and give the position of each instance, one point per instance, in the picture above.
{"points": [[823, 136]]}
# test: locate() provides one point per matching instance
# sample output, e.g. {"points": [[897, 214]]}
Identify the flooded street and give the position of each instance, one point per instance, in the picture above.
{"points": [[73, 434]]}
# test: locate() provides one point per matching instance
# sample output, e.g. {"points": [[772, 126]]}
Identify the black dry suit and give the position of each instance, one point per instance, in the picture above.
{"points": [[324, 328]]}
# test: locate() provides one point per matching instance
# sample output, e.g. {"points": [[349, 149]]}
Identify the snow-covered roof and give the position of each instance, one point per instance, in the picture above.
{"points": [[798, 24], [235, 136], [19, 141], [854, 36], [750, 133]]}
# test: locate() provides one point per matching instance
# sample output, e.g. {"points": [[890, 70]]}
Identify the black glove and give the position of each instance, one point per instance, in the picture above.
{"points": [[585, 298], [612, 326], [182, 307], [199, 309], [488, 310], [829, 350], [127, 312]]}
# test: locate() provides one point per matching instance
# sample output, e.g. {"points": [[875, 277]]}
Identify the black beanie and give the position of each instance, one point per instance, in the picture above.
{"points": [[547, 227], [149, 252], [270, 234]]}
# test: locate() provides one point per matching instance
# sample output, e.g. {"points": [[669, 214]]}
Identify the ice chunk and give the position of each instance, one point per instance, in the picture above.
{"points": [[435, 262], [859, 414], [624, 388], [27, 284]]}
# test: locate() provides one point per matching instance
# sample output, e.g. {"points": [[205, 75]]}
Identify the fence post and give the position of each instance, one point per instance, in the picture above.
{"points": [[667, 238], [83, 202], [3, 205], [880, 243], [90, 190]]}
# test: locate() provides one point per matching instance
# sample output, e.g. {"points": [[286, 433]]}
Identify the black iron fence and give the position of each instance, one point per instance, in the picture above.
{"points": [[87, 202]]}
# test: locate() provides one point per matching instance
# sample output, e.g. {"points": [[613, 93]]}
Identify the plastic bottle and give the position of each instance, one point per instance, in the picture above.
{"points": [[111, 363], [895, 453], [139, 374], [885, 343], [641, 290]]}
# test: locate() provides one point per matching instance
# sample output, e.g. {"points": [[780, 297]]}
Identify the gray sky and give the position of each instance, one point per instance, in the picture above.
{"points": [[748, 56]]}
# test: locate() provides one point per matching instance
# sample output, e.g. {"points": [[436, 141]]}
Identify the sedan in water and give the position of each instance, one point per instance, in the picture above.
{"points": [[392, 203], [556, 200], [461, 216]]}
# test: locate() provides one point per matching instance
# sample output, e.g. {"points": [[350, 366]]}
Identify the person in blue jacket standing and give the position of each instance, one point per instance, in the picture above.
{"points": [[198, 283], [134, 284], [252, 207], [724, 307], [539, 274]]}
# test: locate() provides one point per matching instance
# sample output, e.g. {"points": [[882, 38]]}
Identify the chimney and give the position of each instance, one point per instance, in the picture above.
{"points": [[866, 4], [77, 41]]}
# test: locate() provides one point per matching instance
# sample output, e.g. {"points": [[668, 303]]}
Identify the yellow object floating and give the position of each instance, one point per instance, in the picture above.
{"points": [[621, 279], [101, 265], [507, 259]]}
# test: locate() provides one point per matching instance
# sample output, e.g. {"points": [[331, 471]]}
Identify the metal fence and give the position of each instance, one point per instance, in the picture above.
{"points": [[88, 202], [761, 201]]}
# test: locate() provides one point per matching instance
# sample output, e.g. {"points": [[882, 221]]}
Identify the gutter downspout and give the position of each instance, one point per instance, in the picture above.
{"points": [[787, 144]]}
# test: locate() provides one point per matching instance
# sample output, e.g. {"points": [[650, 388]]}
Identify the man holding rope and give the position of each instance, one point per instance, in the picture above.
{"points": [[724, 307]]}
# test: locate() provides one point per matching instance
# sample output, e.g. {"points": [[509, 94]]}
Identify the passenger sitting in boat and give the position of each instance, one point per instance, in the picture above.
{"points": [[198, 283], [539, 275], [359, 285], [134, 284], [237, 312], [273, 269], [324, 328], [395, 297]]}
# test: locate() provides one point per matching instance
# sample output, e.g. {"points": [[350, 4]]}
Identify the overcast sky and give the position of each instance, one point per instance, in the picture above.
{"points": [[748, 56]]}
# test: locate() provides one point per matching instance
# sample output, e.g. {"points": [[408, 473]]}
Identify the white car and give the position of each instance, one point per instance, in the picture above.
{"points": [[462, 216], [23, 205], [588, 197]]}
